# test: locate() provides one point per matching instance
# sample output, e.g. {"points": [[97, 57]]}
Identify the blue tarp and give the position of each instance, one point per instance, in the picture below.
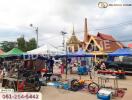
{"points": [[82, 53], [121, 52], [79, 53], [33, 57]]}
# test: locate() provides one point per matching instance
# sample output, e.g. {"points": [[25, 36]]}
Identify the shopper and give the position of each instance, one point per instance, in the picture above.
{"points": [[51, 64], [103, 66]]}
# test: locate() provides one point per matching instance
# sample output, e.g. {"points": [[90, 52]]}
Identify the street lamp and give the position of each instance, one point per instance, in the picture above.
{"points": [[36, 30], [63, 34]]}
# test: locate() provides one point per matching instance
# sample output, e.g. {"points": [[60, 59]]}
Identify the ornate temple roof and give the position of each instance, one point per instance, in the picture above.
{"points": [[73, 39]]}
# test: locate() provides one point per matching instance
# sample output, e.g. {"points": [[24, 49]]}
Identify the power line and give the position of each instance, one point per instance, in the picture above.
{"points": [[101, 28], [53, 37], [56, 47], [109, 27], [118, 40]]}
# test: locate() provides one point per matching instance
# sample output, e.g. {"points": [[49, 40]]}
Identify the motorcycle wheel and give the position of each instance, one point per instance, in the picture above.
{"points": [[37, 86], [74, 85], [93, 88]]}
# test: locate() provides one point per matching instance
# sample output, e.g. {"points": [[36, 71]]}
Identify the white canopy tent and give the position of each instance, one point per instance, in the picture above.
{"points": [[46, 50]]}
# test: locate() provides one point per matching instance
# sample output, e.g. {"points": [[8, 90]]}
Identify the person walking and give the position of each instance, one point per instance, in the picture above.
{"points": [[62, 68], [51, 64]]}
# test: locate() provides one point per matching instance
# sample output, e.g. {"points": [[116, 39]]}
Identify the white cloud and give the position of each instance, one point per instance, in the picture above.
{"points": [[127, 29], [53, 16]]}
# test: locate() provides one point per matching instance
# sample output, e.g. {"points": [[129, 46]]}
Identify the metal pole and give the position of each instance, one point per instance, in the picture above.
{"points": [[63, 41], [65, 48], [66, 61], [37, 35], [36, 30]]}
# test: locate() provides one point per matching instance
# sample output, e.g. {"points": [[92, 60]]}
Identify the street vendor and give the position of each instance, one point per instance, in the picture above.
{"points": [[50, 64], [1, 73], [102, 66], [62, 68]]}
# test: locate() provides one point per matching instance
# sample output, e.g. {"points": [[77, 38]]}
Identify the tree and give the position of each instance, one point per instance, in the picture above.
{"points": [[22, 43], [32, 44], [7, 46]]}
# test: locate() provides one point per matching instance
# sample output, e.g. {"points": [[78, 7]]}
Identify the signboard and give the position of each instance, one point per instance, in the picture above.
{"points": [[21, 96]]}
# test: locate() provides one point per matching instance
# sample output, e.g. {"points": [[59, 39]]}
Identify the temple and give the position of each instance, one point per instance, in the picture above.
{"points": [[73, 44], [100, 43]]}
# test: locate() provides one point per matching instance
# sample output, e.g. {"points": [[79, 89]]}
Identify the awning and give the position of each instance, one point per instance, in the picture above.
{"points": [[121, 52], [13, 52], [98, 53]]}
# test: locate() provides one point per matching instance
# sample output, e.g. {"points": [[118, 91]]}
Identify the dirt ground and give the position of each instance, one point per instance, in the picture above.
{"points": [[51, 93]]}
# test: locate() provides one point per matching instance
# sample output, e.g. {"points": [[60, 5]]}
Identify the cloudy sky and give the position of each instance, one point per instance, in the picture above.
{"points": [[53, 16]]}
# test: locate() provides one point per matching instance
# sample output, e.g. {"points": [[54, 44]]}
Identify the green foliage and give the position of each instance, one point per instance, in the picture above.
{"points": [[7, 46], [32, 44], [26, 45], [21, 43]]}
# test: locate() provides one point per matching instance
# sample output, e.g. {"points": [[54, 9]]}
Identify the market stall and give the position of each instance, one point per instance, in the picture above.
{"points": [[117, 64], [13, 52], [79, 60], [121, 52], [98, 54], [24, 75], [120, 74], [46, 50], [23, 72]]}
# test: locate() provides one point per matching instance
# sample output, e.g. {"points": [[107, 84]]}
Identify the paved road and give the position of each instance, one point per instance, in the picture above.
{"points": [[51, 93]]}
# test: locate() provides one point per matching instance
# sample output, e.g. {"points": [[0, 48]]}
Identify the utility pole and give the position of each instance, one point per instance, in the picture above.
{"points": [[63, 43], [65, 49], [36, 31]]}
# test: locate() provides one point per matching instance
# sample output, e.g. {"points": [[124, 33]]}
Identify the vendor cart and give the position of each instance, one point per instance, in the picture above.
{"points": [[115, 90], [102, 79], [119, 74], [23, 76]]}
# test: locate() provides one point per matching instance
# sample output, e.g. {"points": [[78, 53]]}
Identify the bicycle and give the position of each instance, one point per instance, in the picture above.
{"points": [[92, 87]]}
